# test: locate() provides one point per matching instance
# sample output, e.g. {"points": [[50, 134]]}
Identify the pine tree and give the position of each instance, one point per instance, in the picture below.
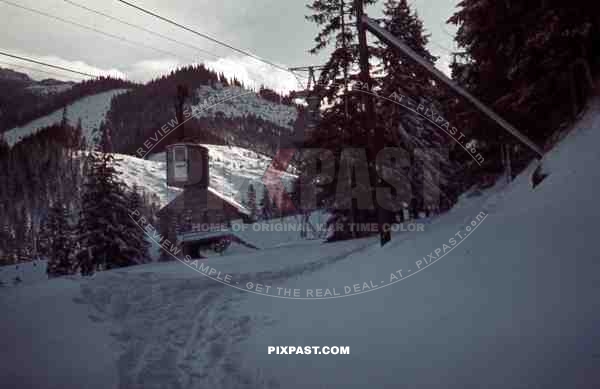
{"points": [[58, 242], [340, 123], [266, 205], [105, 144], [137, 245], [343, 123], [251, 201], [108, 236], [533, 61], [423, 141], [64, 122]]}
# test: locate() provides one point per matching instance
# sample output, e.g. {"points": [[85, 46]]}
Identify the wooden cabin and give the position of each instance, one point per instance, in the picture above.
{"points": [[199, 217]]}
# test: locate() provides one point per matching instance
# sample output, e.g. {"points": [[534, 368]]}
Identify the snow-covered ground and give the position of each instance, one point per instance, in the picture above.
{"points": [[90, 109], [512, 304], [23, 274]]}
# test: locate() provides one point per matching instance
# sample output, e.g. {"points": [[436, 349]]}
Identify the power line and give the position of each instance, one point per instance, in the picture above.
{"points": [[47, 64], [214, 40], [141, 28], [120, 38], [23, 67]]}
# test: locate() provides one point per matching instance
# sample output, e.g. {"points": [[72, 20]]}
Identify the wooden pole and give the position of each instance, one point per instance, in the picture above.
{"points": [[378, 140], [390, 39]]}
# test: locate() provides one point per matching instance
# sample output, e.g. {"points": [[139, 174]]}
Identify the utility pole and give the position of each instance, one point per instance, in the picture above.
{"points": [[345, 97], [345, 47], [375, 139], [182, 94], [507, 148]]}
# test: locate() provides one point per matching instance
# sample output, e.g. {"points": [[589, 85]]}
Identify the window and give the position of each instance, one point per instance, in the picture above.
{"points": [[180, 154], [180, 167]]}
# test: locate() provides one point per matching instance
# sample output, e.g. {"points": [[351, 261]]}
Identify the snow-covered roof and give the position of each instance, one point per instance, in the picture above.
{"points": [[230, 201]]}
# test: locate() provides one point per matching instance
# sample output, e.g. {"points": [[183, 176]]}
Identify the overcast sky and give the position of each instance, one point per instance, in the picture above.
{"points": [[272, 29]]}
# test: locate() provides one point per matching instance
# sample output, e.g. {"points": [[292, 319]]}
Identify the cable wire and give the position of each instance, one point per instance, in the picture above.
{"points": [[23, 67], [214, 40], [47, 64], [142, 28], [120, 38]]}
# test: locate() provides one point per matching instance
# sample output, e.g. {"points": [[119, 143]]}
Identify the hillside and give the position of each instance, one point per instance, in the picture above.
{"points": [[21, 93], [232, 169], [44, 87], [509, 306], [25, 100], [90, 110], [219, 111]]}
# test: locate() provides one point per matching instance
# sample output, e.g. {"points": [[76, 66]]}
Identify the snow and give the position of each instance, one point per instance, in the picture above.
{"points": [[513, 305], [232, 169], [90, 109], [44, 90], [244, 103], [53, 340], [148, 175], [280, 232], [24, 273]]}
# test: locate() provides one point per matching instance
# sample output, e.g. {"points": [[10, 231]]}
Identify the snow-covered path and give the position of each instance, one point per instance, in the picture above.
{"points": [[49, 339], [177, 329]]}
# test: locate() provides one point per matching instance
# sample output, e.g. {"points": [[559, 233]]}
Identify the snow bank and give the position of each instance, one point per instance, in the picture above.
{"points": [[512, 306]]}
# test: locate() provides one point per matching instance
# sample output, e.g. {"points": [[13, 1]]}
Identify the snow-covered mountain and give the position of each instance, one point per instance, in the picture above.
{"points": [[91, 110], [12, 75], [48, 88], [245, 103], [220, 112], [44, 87], [216, 111]]}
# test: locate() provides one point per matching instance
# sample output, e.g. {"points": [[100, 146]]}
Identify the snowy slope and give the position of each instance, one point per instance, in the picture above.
{"points": [[90, 109], [232, 169], [245, 103], [513, 305]]}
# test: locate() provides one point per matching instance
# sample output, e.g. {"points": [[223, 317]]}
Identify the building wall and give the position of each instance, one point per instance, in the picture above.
{"points": [[195, 208]]}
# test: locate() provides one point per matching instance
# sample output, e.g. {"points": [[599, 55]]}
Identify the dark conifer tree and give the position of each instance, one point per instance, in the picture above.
{"points": [[266, 206], [137, 245], [108, 236], [342, 124], [533, 61], [409, 85], [251, 201], [58, 241]]}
